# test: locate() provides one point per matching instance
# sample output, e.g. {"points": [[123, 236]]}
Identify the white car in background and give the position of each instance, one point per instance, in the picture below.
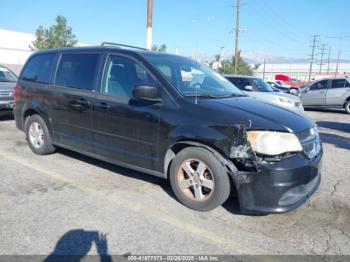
{"points": [[330, 92], [258, 88]]}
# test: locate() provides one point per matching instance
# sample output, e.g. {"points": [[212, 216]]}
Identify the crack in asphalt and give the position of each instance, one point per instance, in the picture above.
{"points": [[335, 187], [328, 240]]}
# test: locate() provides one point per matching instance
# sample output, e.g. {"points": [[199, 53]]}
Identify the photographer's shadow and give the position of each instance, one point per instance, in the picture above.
{"points": [[76, 244]]}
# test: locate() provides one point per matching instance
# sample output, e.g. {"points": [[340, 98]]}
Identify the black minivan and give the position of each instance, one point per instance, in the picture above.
{"points": [[172, 117]]}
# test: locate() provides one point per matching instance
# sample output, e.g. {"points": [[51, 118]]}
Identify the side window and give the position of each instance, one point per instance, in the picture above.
{"points": [[39, 68], [238, 82], [77, 71], [319, 85], [339, 83], [121, 74]]}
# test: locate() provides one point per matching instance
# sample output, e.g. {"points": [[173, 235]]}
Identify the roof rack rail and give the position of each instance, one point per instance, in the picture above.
{"points": [[121, 45]]}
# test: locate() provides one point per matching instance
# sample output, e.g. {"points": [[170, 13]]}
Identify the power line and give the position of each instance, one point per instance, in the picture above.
{"points": [[266, 15], [342, 36], [280, 18]]}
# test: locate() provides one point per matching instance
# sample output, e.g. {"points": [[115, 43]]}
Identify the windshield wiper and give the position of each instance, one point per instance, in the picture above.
{"points": [[202, 95], [232, 95], [216, 96]]}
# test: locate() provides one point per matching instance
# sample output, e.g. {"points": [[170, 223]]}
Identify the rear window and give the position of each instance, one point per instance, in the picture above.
{"points": [[39, 68], [77, 71]]}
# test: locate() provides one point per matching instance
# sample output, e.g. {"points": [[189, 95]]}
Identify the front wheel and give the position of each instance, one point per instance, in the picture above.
{"points": [[347, 107], [198, 179]]}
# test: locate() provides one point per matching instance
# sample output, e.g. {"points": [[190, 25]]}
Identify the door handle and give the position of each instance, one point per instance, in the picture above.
{"points": [[322, 92], [82, 101], [104, 105]]}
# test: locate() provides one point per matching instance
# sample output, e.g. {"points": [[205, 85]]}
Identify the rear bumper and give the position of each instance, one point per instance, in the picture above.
{"points": [[18, 117], [282, 186]]}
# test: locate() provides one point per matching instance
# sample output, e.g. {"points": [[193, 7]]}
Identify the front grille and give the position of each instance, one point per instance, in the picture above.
{"points": [[311, 142], [6, 94]]}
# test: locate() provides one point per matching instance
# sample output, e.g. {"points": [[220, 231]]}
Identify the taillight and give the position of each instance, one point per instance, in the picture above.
{"points": [[16, 92]]}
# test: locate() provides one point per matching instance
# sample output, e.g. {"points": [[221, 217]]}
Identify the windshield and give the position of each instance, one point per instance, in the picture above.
{"points": [[192, 78], [7, 76], [261, 85]]}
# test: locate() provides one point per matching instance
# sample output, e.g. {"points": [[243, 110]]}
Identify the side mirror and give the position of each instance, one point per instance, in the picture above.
{"points": [[144, 92], [248, 88]]}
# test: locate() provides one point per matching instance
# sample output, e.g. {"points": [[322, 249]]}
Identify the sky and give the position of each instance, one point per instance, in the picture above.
{"points": [[270, 28]]}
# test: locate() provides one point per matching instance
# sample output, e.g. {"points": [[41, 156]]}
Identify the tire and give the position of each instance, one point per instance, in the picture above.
{"points": [[214, 175], [347, 107], [37, 136]]}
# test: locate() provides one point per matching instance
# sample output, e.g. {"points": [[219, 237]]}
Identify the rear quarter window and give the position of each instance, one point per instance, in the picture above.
{"points": [[39, 68], [77, 71], [340, 83]]}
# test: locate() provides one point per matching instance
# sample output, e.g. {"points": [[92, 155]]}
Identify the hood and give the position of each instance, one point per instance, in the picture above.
{"points": [[7, 86], [270, 96], [263, 116]]}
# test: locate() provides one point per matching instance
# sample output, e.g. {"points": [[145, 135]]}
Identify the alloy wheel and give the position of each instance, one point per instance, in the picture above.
{"points": [[195, 180], [36, 135]]}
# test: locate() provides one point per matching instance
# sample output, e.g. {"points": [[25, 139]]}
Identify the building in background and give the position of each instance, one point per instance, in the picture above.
{"points": [[300, 71], [15, 49]]}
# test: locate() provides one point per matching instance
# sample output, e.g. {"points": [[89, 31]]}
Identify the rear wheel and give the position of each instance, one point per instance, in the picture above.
{"points": [[199, 180], [37, 136], [347, 107]]}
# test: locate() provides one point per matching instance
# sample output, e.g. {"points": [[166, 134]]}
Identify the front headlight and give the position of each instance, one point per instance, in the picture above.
{"points": [[273, 143]]}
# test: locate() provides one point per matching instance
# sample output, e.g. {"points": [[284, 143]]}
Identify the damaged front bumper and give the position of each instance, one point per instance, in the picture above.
{"points": [[280, 187]]}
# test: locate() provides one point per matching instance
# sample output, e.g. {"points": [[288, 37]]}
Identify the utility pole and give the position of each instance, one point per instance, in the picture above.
{"points": [[342, 38], [237, 36], [322, 54], [312, 56], [336, 69], [221, 55], [264, 69], [149, 24], [329, 59]]}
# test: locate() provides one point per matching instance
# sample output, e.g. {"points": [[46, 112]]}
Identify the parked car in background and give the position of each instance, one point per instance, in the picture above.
{"points": [[282, 83], [286, 89], [258, 88], [171, 117], [8, 81], [331, 92]]}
